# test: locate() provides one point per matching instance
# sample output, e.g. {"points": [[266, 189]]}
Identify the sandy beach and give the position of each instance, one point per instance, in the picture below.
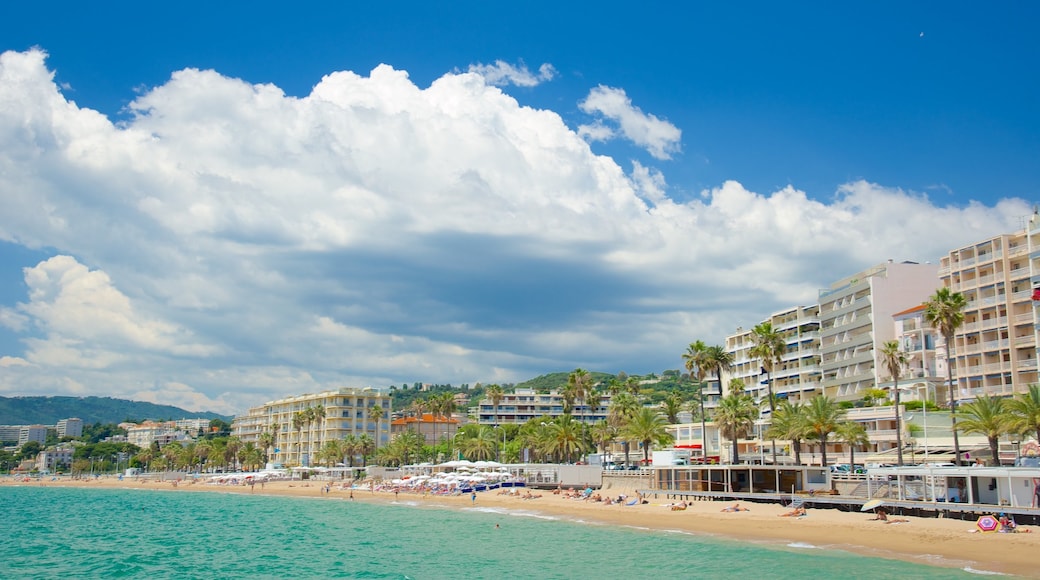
{"points": [[934, 541]]}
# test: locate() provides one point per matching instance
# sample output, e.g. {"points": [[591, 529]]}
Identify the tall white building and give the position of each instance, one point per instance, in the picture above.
{"points": [[797, 377], [29, 433], [994, 351], [72, 427], [526, 404], [856, 319], [347, 412]]}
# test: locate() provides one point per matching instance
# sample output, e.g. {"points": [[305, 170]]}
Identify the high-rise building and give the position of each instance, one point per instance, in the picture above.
{"points": [[298, 438], [525, 404], [994, 351], [72, 427], [856, 319], [798, 375], [29, 433]]}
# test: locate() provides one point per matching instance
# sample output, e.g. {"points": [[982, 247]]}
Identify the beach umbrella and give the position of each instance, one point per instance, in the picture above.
{"points": [[988, 523], [872, 504]]}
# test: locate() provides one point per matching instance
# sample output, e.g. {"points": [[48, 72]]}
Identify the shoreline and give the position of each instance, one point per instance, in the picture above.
{"points": [[930, 541]]}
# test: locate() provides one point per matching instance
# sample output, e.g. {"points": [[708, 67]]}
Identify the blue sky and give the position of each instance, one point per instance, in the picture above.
{"points": [[213, 206]]}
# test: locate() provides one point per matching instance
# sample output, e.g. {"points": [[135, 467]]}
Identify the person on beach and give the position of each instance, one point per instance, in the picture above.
{"points": [[795, 513], [735, 508], [473, 497]]}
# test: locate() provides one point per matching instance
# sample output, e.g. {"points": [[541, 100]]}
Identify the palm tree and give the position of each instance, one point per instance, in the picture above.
{"points": [[565, 438], [789, 423], [854, 435], [603, 434], [366, 446], [376, 413], [822, 415], [318, 416], [495, 393], [298, 420], [770, 347], [734, 416], [945, 310], [894, 360], [482, 445], [266, 441], [986, 416], [1025, 412], [621, 409], [671, 406], [581, 381], [647, 426]]}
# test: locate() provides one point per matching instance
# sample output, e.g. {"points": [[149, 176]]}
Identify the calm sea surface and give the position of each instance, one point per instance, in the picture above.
{"points": [[104, 533]]}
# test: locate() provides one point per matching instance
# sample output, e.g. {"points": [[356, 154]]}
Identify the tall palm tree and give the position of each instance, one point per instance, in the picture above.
{"points": [[565, 438], [603, 435], [266, 442], [318, 417], [647, 426], [769, 346], [693, 359], [495, 393], [893, 360], [366, 446], [1025, 412], [789, 423], [376, 413], [854, 435], [822, 415], [734, 416], [671, 406], [581, 381], [621, 409], [945, 310], [351, 447], [298, 421], [986, 416], [715, 359]]}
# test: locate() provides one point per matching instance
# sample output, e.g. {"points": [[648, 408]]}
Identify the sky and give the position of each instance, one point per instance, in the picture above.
{"points": [[214, 205]]}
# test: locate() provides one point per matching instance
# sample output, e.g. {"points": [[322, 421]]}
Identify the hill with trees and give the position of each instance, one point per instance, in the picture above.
{"points": [[50, 410]]}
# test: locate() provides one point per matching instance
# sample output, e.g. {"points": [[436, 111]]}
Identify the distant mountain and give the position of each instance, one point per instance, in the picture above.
{"points": [[556, 381], [50, 410]]}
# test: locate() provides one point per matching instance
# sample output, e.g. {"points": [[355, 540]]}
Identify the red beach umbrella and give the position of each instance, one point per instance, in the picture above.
{"points": [[988, 524]]}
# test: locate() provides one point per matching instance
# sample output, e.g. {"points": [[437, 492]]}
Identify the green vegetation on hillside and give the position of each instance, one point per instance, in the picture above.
{"points": [[50, 410]]}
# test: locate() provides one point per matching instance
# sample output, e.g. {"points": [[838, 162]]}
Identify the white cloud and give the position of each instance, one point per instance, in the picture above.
{"points": [[244, 245], [660, 138], [503, 74]]}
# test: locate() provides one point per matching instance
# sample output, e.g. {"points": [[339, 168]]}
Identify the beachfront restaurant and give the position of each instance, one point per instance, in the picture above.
{"points": [[987, 486], [741, 479]]}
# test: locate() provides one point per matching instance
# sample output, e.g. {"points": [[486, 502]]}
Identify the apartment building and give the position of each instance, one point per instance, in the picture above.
{"points": [[433, 428], [347, 411], [925, 374], [797, 377], [29, 433], [526, 404], [72, 427], [994, 351], [856, 319]]}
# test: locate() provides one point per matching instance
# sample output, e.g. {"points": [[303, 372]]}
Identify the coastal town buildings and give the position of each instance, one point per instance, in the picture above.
{"points": [[433, 428], [856, 319], [526, 404], [160, 432], [55, 459], [343, 412], [797, 377], [29, 433], [72, 427], [994, 351]]}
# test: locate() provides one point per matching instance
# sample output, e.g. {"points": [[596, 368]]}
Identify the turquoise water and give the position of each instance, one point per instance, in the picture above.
{"points": [[107, 533]]}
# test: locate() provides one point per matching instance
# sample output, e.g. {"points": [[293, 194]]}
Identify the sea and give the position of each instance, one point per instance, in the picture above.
{"points": [[54, 532]]}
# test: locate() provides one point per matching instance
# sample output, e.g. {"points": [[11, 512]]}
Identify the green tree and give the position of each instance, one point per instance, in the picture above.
{"points": [[769, 346], [893, 360], [565, 438], [945, 310], [621, 409], [986, 416], [603, 435], [734, 416], [789, 423], [823, 415], [647, 427], [854, 435], [672, 406], [1025, 412], [495, 394], [581, 382]]}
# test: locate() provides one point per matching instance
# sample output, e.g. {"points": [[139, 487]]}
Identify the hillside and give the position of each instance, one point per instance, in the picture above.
{"points": [[49, 410], [556, 381]]}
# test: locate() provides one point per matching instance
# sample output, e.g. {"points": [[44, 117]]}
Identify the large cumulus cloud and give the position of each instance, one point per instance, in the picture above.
{"points": [[228, 244]]}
